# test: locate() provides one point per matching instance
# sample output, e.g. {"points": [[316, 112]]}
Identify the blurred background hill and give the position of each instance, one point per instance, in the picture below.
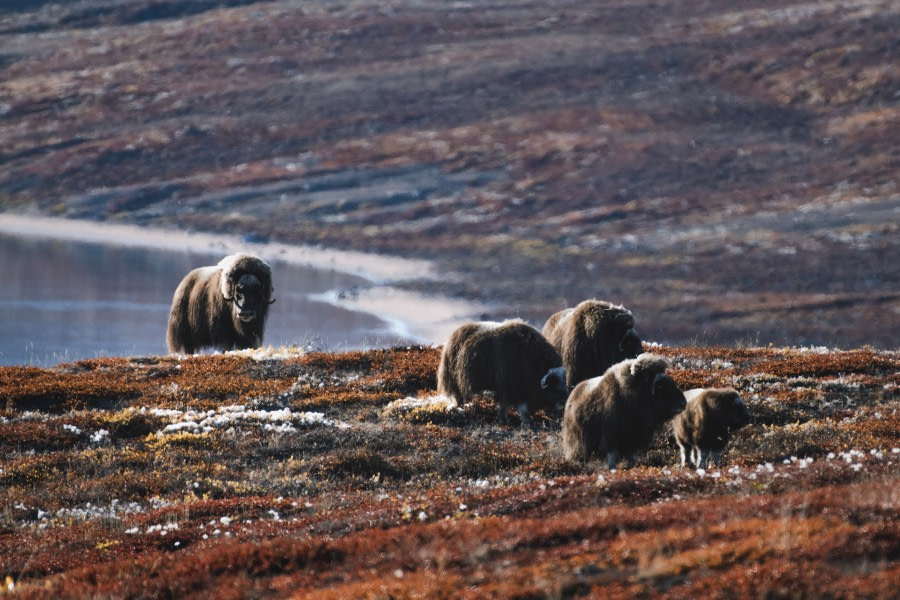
{"points": [[727, 170]]}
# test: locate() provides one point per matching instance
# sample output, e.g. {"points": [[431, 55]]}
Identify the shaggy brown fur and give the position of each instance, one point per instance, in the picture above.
{"points": [[706, 424], [224, 306], [592, 337], [511, 359], [616, 415]]}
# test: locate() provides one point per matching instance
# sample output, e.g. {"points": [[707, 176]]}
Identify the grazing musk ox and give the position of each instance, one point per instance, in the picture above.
{"points": [[592, 337], [615, 415], [224, 306], [706, 424], [511, 359]]}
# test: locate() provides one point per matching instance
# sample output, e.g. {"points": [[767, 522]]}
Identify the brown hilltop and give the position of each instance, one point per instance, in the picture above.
{"points": [[726, 170]]}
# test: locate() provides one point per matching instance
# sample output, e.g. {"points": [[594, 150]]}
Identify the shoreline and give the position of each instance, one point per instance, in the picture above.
{"points": [[427, 319]]}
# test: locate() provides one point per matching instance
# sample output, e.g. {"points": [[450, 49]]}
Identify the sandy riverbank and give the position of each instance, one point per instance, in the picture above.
{"points": [[424, 318]]}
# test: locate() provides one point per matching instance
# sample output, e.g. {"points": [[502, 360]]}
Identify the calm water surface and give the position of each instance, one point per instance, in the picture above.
{"points": [[62, 301]]}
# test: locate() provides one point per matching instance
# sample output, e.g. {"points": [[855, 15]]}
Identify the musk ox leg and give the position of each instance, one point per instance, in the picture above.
{"points": [[612, 459], [704, 459], [716, 457], [695, 456], [524, 415], [683, 452]]}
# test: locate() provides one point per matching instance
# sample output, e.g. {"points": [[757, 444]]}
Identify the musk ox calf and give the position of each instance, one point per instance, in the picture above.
{"points": [[706, 424], [615, 415], [511, 359], [592, 337], [224, 306]]}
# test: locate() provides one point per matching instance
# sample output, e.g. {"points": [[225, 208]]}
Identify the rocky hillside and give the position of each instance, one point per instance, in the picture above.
{"points": [[260, 474], [725, 169]]}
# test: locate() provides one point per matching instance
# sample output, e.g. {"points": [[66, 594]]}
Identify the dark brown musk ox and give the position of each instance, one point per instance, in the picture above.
{"points": [[706, 424], [616, 415], [511, 359], [591, 337], [224, 306]]}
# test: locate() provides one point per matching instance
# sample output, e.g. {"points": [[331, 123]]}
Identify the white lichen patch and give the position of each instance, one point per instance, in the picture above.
{"points": [[282, 420], [688, 363], [115, 511], [269, 353], [435, 403]]}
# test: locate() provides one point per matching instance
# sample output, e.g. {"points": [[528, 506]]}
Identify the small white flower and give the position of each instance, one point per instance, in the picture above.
{"points": [[99, 436]]}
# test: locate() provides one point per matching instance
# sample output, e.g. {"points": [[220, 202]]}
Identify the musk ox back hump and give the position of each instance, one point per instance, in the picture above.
{"points": [[223, 306], [511, 359], [592, 337]]}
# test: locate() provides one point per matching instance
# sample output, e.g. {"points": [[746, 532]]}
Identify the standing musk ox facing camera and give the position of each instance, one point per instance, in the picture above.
{"points": [[511, 359], [706, 424], [616, 415], [592, 337], [224, 306]]}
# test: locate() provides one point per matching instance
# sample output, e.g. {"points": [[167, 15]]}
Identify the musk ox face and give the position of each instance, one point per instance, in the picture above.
{"points": [[737, 414], [248, 297], [553, 384], [667, 397], [630, 345]]}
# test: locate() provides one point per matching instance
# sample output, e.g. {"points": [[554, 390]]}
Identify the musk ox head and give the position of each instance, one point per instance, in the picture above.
{"points": [[667, 398], [733, 411], [630, 345], [553, 384], [247, 285], [629, 341]]}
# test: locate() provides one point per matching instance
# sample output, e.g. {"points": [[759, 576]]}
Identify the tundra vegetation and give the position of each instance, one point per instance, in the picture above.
{"points": [[271, 473]]}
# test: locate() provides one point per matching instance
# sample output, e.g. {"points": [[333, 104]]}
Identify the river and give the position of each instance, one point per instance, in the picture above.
{"points": [[63, 300]]}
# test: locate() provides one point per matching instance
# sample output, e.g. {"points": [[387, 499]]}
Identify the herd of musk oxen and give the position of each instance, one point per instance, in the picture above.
{"points": [[586, 362]]}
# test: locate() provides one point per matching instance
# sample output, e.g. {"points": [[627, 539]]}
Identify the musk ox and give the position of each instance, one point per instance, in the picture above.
{"points": [[706, 424], [592, 337], [224, 306], [511, 359], [615, 415]]}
